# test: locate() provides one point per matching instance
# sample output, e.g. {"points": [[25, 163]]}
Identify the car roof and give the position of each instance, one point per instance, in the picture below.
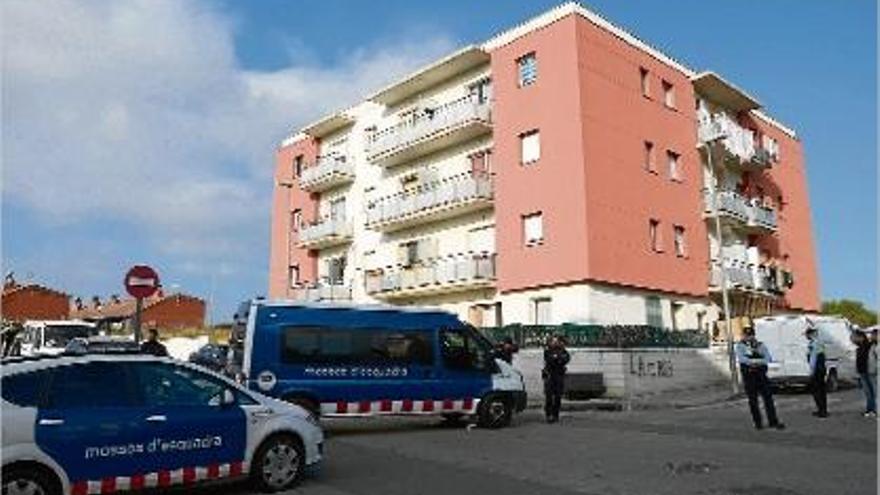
{"points": [[31, 363]]}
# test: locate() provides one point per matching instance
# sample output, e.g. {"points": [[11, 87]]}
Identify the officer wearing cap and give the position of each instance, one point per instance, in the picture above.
{"points": [[753, 358], [816, 358]]}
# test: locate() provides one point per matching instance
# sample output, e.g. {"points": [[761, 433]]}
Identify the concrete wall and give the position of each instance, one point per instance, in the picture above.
{"points": [[634, 373]]}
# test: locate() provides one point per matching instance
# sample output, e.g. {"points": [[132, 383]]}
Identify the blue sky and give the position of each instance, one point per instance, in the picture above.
{"points": [[143, 131]]}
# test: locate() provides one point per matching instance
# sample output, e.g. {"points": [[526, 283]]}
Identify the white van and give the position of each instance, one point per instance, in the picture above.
{"points": [[784, 337], [52, 336]]}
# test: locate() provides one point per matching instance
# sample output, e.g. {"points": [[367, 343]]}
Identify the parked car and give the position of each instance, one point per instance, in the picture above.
{"points": [[784, 337], [340, 360], [211, 356], [100, 423]]}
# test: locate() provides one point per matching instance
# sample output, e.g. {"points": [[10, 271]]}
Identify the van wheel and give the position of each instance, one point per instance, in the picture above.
{"points": [[832, 384], [278, 464], [495, 411], [35, 481]]}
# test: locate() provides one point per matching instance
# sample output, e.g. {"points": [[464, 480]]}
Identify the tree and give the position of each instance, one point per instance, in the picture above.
{"points": [[854, 311]]}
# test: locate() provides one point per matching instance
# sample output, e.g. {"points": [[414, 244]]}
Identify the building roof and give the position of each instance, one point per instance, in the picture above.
{"points": [[124, 308], [14, 288]]}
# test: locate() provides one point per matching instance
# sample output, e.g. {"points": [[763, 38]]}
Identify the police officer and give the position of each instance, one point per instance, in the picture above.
{"points": [[556, 359], [152, 345], [753, 358], [507, 349], [816, 358]]}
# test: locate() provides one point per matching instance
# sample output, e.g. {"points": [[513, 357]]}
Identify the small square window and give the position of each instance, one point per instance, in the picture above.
{"points": [[528, 69], [650, 165], [542, 311], [645, 81], [297, 166], [293, 276], [680, 241], [655, 236], [530, 147], [674, 160], [296, 220], [668, 94], [533, 229]]}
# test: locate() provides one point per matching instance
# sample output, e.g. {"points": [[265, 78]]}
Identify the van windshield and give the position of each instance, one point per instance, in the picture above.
{"points": [[60, 335]]}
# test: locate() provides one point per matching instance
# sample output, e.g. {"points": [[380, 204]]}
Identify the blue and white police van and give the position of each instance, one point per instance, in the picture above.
{"points": [[338, 360], [106, 423]]}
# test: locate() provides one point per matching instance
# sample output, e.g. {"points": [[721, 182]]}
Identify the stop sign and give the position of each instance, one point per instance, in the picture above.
{"points": [[141, 281]]}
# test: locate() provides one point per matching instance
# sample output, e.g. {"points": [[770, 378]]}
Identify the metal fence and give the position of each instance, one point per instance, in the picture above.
{"points": [[616, 336]]}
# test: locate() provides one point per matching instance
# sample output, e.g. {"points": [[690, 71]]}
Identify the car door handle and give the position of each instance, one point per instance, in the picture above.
{"points": [[51, 422], [157, 418]]}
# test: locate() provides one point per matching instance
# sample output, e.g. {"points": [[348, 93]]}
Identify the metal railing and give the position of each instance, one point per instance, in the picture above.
{"points": [[322, 292], [446, 193], [761, 216], [436, 273], [735, 138], [748, 210], [613, 336], [326, 169], [743, 275], [429, 122], [325, 229]]}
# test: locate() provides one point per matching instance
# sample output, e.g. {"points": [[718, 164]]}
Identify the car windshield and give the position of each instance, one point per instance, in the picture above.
{"points": [[60, 335]]}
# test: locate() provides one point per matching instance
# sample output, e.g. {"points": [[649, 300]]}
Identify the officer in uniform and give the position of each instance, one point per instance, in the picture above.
{"points": [[152, 345], [556, 360], [816, 358], [753, 358]]}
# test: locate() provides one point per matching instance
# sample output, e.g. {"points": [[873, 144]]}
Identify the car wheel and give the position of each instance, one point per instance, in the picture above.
{"points": [[278, 464], [495, 411], [831, 382], [29, 481]]}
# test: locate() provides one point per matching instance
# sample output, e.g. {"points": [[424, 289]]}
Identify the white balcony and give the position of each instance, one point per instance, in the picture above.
{"points": [[433, 129], [325, 233], [322, 292], [441, 275], [746, 277], [737, 144], [443, 199], [740, 211], [327, 172]]}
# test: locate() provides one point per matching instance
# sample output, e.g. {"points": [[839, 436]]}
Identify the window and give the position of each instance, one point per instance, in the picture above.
{"points": [[653, 312], [161, 384], [356, 346], [297, 165], [481, 163], [528, 69], [646, 81], [649, 157], [680, 244], [337, 209], [678, 316], [655, 236], [481, 91], [530, 147], [296, 220], [533, 229], [90, 385], [25, 389], [336, 270], [541, 311], [674, 166], [410, 253], [465, 350], [668, 94], [293, 276]]}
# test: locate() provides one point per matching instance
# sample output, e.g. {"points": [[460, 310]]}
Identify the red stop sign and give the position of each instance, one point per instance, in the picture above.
{"points": [[141, 281]]}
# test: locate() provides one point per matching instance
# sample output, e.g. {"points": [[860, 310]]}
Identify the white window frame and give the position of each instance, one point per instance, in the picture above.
{"points": [[527, 69], [673, 161], [530, 147], [538, 304], [533, 229], [293, 281]]}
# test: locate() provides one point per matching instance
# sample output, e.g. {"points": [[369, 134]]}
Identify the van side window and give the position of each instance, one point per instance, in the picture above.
{"points": [[322, 345], [463, 351]]}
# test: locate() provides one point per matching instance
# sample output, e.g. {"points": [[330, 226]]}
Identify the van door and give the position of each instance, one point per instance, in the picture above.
{"points": [[796, 364], [466, 367]]}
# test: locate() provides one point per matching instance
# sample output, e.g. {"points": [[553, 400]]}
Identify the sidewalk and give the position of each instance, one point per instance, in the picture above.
{"points": [[679, 399]]}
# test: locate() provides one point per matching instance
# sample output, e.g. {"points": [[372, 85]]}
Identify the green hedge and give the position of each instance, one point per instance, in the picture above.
{"points": [[618, 336]]}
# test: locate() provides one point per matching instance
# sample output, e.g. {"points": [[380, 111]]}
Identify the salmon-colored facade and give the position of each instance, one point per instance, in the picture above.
{"points": [[610, 198]]}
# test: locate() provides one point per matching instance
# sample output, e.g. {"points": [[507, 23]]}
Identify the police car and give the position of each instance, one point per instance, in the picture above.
{"points": [[106, 423]]}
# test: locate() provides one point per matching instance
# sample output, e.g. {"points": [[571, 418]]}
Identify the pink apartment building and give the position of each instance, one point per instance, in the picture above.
{"points": [[562, 171]]}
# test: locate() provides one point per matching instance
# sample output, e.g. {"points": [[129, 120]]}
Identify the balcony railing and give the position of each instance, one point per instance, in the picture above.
{"points": [[327, 232], [327, 172], [747, 212], [433, 129], [750, 277], [737, 141], [434, 276], [438, 200], [322, 292]]}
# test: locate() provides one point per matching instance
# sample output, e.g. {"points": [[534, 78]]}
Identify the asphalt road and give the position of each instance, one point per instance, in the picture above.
{"points": [[708, 450]]}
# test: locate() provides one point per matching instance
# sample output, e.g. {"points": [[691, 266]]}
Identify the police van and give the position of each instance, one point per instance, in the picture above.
{"points": [[338, 360], [105, 423]]}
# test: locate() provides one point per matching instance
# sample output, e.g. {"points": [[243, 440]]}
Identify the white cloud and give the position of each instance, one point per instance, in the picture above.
{"points": [[138, 112]]}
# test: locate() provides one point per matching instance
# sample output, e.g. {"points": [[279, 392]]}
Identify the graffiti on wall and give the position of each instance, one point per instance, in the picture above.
{"points": [[640, 366]]}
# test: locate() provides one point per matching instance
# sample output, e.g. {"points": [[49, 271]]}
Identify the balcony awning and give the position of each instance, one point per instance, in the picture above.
{"points": [[719, 90], [328, 125], [427, 77]]}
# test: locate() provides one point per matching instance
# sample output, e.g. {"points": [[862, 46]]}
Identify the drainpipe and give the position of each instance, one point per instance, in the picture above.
{"points": [[725, 296]]}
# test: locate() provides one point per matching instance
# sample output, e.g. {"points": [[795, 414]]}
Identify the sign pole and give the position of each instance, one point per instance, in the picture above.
{"points": [[137, 319]]}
